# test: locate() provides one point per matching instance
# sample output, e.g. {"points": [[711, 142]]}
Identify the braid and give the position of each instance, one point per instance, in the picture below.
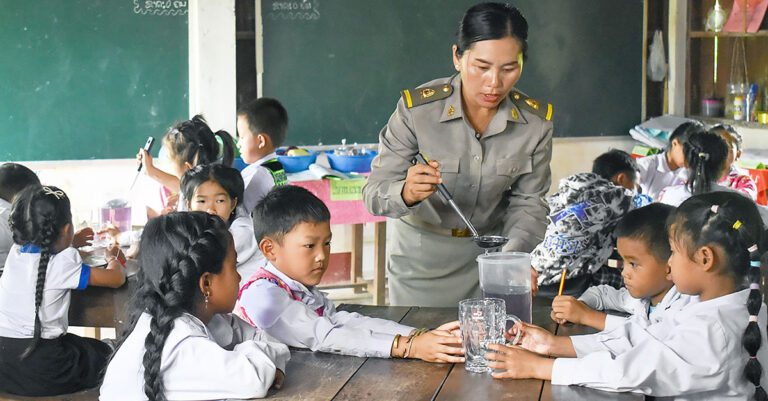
{"points": [[752, 338]]}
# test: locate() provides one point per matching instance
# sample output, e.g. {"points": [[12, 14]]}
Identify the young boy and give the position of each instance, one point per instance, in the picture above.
{"points": [[293, 229], [261, 126], [649, 294], [13, 178], [583, 215], [668, 168]]}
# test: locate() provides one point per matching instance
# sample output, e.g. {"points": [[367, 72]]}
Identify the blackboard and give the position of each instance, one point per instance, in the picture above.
{"points": [[83, 79], [338, 65]]}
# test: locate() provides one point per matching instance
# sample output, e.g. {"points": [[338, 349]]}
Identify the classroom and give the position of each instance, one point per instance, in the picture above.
{"points": [[398, 200]]}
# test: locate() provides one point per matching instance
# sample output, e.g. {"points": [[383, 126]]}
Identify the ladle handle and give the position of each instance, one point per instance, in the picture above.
{"points": [[440, 187]]}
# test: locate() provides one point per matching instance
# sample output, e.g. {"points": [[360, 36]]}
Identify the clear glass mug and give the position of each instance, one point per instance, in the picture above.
{"points": [[482, 322]]}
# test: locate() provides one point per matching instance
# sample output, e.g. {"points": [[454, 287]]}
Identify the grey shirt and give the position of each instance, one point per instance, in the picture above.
{"points": [[498, 180]]}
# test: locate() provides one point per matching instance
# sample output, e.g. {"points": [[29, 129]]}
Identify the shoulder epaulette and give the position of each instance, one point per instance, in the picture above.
{"points": [[521, 100], [426, 94]]}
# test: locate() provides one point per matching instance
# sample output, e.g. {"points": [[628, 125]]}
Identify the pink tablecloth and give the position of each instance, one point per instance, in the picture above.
{"points": [[342, 212]]}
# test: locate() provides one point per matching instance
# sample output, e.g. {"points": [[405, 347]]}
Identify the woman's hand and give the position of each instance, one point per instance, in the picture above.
{"points": [[279, 379], [420, 182], [434, 347], [532, 338], [83, 237], [518, 363]]}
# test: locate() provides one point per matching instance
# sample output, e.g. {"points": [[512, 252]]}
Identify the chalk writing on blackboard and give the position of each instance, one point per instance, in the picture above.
{"points": [[296, 9], [160, 7]]}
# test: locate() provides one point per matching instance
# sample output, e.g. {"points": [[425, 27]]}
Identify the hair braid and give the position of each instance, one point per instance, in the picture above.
{"points": [[752, 339]]}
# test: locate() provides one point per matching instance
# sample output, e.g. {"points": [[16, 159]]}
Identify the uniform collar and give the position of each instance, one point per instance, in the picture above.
{"points": [[452, 108], [266, 158], [293, 284], [30, 248]]}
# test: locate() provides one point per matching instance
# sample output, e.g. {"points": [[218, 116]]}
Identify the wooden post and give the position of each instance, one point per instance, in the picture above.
{"points": [[744, 14], [356, 267], [380, 263]]}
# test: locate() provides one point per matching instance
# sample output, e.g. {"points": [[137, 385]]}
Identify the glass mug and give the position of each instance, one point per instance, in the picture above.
{"points": [[482, 322]]}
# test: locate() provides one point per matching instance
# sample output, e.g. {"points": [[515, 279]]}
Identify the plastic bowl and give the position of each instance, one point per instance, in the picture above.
{"points": [[351, 163], [294, 164]]}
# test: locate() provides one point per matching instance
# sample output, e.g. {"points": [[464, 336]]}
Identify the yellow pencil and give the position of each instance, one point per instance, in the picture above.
{"points": [[562, 282]]}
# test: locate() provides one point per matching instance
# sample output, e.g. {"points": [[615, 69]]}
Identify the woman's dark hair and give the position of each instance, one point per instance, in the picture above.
{"points": [[731, 222], [648, 224], [228, 177], [684, 130], [706, 154], [488, 21], [174, 252], [193, 142], [38, 216], [283, 208]]}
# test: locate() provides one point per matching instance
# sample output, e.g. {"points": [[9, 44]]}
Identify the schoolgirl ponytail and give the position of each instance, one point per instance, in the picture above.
{"points": [[705, 154], [752, 337]]}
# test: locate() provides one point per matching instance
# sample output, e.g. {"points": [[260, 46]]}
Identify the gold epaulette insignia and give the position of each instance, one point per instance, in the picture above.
{"points": [[419, 96]]}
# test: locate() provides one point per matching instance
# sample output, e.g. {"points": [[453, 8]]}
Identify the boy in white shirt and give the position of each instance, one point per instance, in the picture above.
{"points": [[13, 178], [293, 229], [668, 168], [261, 126], [649, 294]]}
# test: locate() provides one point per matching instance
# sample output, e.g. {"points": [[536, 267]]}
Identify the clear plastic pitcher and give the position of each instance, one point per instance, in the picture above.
{"points": [[118, 213], [507, 275]]}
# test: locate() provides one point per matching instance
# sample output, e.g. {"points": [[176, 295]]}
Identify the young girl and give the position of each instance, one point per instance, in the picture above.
{"points": [[188, 143], [218, 190], [37, 356], [706, 156], [711, 350], [666, 169], [180, 345], [736, 178]]}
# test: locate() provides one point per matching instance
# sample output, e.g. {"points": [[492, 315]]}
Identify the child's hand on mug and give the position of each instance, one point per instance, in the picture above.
{"points": [[437, 347], [532, 338]]}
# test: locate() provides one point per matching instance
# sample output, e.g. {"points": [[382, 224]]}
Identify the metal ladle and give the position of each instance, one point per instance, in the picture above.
{"points": [[486, 242]]}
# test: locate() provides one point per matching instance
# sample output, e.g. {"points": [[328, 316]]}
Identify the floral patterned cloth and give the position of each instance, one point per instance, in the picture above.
{"points": [[740, 180]]}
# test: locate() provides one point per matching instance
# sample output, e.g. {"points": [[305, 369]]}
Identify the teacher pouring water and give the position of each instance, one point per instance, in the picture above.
{"points": [[489, 144]]}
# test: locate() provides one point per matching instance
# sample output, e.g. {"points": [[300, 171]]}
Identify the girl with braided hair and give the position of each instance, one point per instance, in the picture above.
{"points": [[182, 343], [37, 355], [710, 350]]}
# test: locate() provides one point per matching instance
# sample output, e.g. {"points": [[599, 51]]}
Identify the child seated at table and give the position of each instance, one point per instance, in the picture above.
{"points": [[583, 214], [218, 190], [13, 178], [735, 178], [261, 126], [709, 350], [649, 294], [668, 168], [293, 228], [38, 357], [182, 341]]}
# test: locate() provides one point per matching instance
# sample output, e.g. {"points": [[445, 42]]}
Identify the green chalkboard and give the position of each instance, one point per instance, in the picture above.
{"points": [[83, 79], [338, 65]]}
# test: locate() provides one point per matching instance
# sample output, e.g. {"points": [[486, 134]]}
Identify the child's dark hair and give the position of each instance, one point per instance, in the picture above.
{"points": [[13, 178], [174, 252], [614, 162], [194, 142], [706, 154], [283, 208], [732, 137], [38, 216], [649, 225], [268, 116], [684, 130], [731, 222], [228, 177], [487, 21]]}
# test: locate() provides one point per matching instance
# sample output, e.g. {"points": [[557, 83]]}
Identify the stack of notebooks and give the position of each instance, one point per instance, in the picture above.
{"points": [[656, 131]]}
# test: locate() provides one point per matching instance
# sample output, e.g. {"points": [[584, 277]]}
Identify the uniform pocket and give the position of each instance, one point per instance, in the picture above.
{"points": [[449, 171], [514, 167]]}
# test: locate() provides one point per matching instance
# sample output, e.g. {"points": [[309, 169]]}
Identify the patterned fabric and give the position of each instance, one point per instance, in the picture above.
{"points": [[607, 275], [739, 180], [263, 274], [579, 237]]}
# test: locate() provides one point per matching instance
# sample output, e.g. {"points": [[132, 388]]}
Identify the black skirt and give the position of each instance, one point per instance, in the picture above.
{"points": [[58, 366]]}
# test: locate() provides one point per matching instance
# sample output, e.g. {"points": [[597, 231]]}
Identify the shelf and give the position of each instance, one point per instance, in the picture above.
{"points": [[705, 34], [720, 120]]}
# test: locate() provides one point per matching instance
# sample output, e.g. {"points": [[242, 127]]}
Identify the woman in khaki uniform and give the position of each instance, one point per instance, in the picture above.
{"points": [[489, 144]]}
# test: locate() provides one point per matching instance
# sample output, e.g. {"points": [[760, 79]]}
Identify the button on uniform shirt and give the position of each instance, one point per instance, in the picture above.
{"points": [[258, 181], [498, 180], [296, 323], [655, 175]]}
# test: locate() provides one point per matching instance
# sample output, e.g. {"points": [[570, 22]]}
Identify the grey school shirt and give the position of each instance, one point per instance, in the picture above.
{"points": [[498, 179]]}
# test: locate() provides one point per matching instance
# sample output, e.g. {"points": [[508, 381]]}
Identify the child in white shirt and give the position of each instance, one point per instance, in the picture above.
{"points": [[182, 343], [710, 350], [13, 178], [281, 299], [649, 293], [668, 168], [39, 357]]}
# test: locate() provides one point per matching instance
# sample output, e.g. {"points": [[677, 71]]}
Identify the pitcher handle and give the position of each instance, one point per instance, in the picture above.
{"points": [[517, 337]]}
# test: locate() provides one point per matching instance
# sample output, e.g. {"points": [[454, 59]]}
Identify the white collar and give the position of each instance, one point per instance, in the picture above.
{"points": [[261, 161], [292, 284], [734, 298]]}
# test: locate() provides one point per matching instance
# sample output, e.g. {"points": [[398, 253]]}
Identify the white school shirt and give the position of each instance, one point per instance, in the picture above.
{"points": [[655, 174], [604, 297], [258, 181], [675, 195], [249, 256], [694, 354], [297, 324], [6, 237], [65, 272], [227, 359]]}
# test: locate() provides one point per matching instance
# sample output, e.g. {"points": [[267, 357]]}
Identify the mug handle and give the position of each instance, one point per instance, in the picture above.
{"points": [[517, 337]]}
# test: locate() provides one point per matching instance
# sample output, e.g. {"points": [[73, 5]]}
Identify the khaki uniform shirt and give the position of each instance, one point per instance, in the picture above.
{"points": [[498, 179]]}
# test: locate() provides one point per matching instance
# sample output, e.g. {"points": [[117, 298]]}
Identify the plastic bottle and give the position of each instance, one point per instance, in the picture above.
{"points": [[738, 108]]}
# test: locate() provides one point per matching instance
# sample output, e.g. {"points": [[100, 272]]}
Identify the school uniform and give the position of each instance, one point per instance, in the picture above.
{"points": [[677, 194], [304, 317], [6, 237], [694, 354], [226, 359], [740, 180], [605, 297], [249, 256], [655, 174], [259, 178], [62, 363]]}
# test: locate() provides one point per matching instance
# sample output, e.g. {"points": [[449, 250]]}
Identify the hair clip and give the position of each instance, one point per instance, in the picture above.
{"points": [[752, 248], [737, 225], [714, 208], [754, 286], [704, 156], [58, 194], [752, 357], [753, 318]]}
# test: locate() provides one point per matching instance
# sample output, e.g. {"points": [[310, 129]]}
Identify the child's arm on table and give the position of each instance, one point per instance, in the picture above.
{"points": [[114, 275], [567, 308]]}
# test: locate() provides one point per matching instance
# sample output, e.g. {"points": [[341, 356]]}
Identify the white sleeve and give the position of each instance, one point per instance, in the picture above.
{"points": [[605, 297], [257, 187], [294, 323], [358, 321], [687, 360], [65, 271], [243, 237]]}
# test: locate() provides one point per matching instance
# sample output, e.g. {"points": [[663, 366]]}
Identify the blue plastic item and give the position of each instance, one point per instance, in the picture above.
{"points": [[351, 163], [240, 164], [294, 164]]}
